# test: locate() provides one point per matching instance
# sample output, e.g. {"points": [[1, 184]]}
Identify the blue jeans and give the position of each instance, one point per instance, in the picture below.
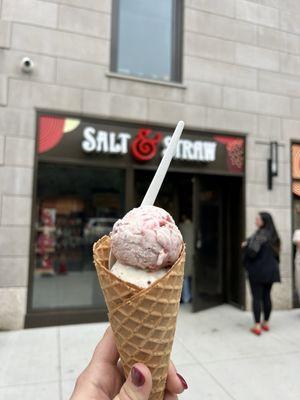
{"points": [[186, 290]]}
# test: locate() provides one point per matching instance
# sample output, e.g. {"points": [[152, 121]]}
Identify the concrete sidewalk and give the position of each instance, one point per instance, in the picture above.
{"points": [[213, 350]]}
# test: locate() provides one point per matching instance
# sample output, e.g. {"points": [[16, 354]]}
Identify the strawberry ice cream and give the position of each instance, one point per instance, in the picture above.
{"points": [[145, 239]]}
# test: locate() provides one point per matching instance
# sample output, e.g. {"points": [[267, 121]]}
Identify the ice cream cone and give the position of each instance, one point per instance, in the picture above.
{"points": [[143, 320]]}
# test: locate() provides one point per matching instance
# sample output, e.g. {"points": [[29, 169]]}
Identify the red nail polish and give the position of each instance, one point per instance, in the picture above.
{"points": [[137, 377], [182, 380]]}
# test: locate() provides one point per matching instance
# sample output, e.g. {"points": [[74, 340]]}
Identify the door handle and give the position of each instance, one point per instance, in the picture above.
{"points": [[198, 240], [199, 244]]}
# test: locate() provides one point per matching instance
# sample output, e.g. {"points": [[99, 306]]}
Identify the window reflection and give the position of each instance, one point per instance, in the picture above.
{"points": [[145, 38], [75, 206]]}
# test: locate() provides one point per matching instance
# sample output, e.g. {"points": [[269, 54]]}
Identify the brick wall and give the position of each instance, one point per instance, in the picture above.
{"points": [[241, 73]]}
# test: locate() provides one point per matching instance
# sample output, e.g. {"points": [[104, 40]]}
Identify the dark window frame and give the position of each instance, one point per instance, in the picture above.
{"points": [[176, 48]]}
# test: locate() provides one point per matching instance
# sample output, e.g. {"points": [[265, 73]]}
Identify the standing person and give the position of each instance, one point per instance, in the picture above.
{"points": [[296, 240], [186, 228], [261, 258]]}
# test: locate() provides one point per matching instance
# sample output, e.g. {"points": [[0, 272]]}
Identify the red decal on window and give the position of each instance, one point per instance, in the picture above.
{"points": [[235, 152], [50, 132]]}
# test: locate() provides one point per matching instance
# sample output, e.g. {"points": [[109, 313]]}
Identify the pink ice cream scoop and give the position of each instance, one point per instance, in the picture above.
{"points": [[146, 238]]}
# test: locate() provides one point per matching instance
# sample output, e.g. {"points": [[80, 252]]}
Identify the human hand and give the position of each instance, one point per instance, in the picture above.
{"points": [[244, 244], [103, 378]]}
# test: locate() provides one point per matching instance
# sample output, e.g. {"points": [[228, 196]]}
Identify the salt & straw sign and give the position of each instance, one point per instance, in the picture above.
{"points": [[197, 150], [104, 142], [101, 141]]}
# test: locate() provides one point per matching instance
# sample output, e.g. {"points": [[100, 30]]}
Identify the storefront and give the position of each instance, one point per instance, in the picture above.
{"points": [[88, 173]]}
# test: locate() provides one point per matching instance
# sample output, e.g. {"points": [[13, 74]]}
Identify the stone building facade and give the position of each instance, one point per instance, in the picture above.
{"points": [[241, 73]]}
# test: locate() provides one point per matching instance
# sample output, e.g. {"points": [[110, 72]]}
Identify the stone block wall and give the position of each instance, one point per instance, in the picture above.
{"points": [[241, 73]]}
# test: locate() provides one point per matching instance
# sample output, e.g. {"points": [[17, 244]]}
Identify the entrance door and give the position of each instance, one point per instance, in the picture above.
{"points": [[213, 206], [233, 234], [218, 274], [208, 271]]}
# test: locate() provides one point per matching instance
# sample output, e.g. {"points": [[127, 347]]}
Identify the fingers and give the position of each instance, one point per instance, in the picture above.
{"points": [[138, 384], [121, 370], [106, 349], [175, 382], [170, 396]]}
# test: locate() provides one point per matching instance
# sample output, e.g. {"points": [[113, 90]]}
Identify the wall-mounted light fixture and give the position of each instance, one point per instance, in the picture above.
{"points": [[272, 164]]}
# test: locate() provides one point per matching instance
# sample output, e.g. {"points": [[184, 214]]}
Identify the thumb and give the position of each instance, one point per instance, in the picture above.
{"points": [[138, 384]]}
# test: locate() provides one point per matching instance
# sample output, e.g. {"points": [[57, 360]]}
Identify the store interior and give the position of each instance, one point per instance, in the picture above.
{"points": [[75, 206]]}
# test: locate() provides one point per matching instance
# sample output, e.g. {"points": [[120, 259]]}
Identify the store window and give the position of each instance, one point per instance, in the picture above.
{"points": [[146, 39], [75, 206]]}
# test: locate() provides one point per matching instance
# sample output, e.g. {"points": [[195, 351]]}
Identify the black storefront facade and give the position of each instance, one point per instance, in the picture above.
{"points": [[89, 172]]}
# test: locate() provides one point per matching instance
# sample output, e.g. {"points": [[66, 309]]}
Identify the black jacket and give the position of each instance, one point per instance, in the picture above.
{"points": [[261, 259]]}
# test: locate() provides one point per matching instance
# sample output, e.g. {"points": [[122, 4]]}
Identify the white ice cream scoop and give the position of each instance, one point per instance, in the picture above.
{"points": [[137, 276]]}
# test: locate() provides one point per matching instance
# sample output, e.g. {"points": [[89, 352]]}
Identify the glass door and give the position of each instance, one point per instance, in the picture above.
{"points": [[233, 234], [207, 282]]}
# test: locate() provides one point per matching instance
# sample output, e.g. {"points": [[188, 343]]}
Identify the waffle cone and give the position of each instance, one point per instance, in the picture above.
{"points": [[143, 320]]}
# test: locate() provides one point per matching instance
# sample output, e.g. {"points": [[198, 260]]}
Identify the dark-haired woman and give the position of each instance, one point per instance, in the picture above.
{"points": [[261, 257]]}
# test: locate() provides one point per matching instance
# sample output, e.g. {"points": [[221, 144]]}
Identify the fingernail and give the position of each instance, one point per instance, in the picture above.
{"points": [[137, 377], [182, 380]]}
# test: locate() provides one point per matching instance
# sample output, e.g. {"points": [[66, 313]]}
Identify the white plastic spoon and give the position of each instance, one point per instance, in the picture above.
{"points": [[162, 169]]}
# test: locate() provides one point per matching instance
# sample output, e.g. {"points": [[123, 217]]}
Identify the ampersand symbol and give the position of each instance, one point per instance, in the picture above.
{"points": [[143, 147]]}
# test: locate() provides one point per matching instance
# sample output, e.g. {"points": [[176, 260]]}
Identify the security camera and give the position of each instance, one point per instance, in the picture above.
{"points": [[27, 65]]}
